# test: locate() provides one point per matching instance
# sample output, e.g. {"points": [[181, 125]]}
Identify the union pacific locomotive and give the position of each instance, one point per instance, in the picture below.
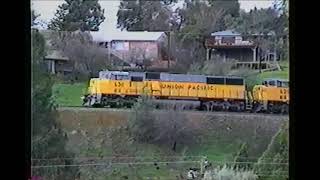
{"points": [[186, 91]]}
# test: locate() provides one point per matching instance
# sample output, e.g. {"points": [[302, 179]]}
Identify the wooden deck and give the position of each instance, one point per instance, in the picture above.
{"points": [[256, 65]]}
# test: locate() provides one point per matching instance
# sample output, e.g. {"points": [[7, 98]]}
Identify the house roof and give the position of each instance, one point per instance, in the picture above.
{"points": [[56, 55], [226, 33], [126, 36]]}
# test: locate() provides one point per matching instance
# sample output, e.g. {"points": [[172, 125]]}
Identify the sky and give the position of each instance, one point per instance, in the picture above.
{"points": [[47, 9]]}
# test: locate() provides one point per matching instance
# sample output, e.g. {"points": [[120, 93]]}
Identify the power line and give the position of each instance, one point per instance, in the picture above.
{"points": [[104, 164], [138, 157], [146, 163]]}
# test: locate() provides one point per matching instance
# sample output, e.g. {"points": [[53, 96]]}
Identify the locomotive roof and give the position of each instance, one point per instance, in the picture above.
{"points": [[165, 73]]}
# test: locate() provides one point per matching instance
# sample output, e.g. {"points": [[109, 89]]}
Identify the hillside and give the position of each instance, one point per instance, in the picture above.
{"points": [[91, 134]]}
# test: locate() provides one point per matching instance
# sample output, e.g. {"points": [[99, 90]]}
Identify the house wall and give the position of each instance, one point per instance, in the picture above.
{"points": [[59, 66], [126, 48], [218, 39]]}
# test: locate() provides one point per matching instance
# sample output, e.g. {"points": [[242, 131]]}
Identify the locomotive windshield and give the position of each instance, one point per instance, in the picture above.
{"points": [[275, 82]]}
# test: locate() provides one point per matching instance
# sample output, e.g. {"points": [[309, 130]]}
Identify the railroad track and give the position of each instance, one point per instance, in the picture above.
{"points": [[81, 108]]}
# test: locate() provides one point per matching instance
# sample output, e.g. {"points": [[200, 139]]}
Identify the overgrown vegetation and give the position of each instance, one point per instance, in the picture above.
{"points": [[142, 122], [170, 130], [48, 140], [215, 67], [86, 58], [274, 161], [226, 173]]}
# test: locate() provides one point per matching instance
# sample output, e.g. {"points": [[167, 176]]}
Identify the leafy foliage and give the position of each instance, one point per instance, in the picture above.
{"points": [[216, 67], [174, 130], [274, 160], [78, 15], [241, 157], [86, 57], [251, 77], [231, 7], [48, 140], [226, 173], [269, 25], [144, 15], [141, 123]]}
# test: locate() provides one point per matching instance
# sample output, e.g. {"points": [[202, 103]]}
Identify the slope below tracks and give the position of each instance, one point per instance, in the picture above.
{"points": [[72, 118], [195, 112]]}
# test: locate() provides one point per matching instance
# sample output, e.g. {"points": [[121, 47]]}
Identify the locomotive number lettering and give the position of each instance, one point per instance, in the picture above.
{"points": [[118, 84]]}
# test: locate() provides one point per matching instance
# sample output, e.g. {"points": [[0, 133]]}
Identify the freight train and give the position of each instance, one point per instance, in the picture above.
{"points": [[212, 93]]}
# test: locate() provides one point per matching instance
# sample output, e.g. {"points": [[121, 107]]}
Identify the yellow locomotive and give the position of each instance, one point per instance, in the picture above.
{"points": [[121, 89]]}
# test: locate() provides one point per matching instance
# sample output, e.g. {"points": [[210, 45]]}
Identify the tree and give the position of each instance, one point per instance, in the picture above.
{"points": [[231, 7], [174, 129], [215, 67], [87, 58], [48, 140], [196, 21], [251, 77], [274, 160], [144, 15], [269, 25], [78, 15], [170, 129], [141, 123], [241, 157], [34, 16]]}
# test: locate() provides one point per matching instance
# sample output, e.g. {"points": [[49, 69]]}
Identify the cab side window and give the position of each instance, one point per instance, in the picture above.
{"points": [[279, 84], [272, 83]]}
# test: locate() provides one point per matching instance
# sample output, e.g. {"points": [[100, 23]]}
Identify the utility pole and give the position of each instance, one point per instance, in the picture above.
{"points": [[169, 47]]}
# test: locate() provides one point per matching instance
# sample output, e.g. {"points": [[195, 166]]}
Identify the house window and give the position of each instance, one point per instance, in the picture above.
{"points": [[228, 40]]}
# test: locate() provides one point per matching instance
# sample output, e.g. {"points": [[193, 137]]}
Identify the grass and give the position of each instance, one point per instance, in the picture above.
{"points": [[68, 94], [284, 74]]}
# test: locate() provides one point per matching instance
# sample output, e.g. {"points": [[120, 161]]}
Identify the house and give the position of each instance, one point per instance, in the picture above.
{"points": [[57, 63], [230, 45], [134, 47]]}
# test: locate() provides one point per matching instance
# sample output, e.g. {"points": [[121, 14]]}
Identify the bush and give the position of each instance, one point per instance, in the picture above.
{"points": [[215, 67], [229, 174], [251, 77], [174, 129], [141, 122], [274, 161]]}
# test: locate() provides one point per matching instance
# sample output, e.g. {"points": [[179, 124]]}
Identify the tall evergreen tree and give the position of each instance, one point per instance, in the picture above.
{"points": [[83, 15], [144, 15], [231, 7]]}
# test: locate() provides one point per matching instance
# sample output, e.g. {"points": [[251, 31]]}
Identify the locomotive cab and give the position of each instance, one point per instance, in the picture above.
{"points": [[272, 95]]}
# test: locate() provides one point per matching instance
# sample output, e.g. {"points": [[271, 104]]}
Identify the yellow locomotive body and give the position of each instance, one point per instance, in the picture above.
{"points": [[115, 89]]}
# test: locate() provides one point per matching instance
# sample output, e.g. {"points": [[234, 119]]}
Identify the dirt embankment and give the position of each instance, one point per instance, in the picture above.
{"points": [[216, 128], [91, 119]]}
